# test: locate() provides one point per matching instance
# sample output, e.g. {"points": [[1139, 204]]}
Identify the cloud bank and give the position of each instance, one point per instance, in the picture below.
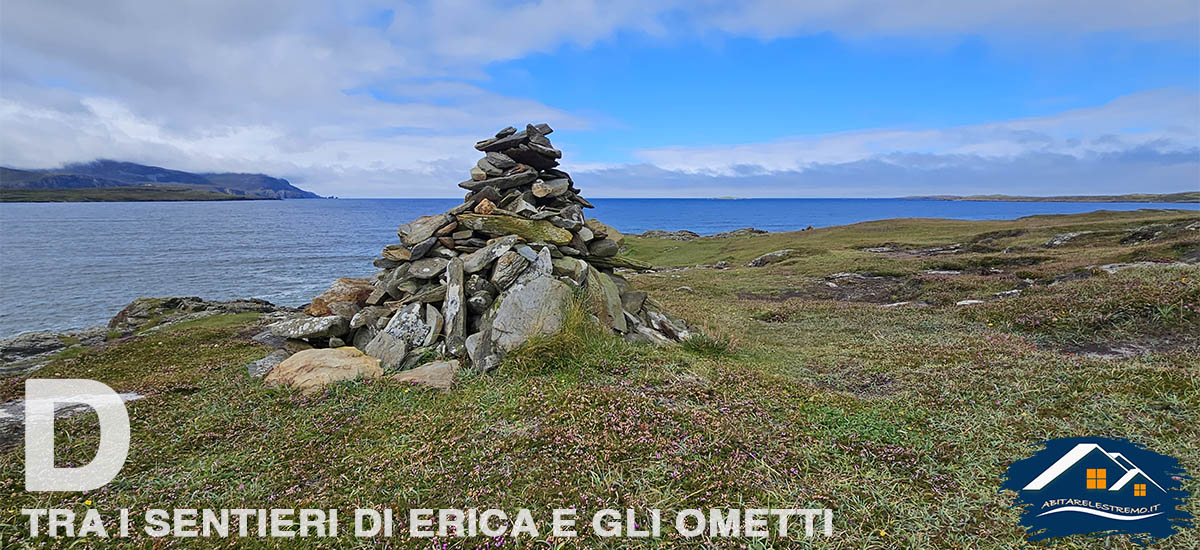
{"points": [[377, 98]]}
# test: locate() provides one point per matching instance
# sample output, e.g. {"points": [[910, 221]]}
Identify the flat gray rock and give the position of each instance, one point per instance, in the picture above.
{"points": [[427, 268], [311, 327], [262, 367], [409, 325], [529, 309], [388, 349]]}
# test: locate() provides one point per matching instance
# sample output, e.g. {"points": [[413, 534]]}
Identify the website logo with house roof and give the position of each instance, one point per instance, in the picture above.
{"points": [[1100, 487]]}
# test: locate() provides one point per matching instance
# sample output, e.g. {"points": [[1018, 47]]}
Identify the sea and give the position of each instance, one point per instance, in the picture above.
{"points": [[74, 265]]}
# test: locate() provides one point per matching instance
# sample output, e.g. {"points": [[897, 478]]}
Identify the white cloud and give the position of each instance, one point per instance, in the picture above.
{"points": [[1163, 120], [282, 86]]}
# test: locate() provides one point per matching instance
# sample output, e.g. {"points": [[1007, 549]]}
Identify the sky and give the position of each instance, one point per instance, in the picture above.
{"points": [[699, 98]]}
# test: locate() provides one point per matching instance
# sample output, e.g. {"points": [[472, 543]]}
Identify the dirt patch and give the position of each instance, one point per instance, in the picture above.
{"points": [[1118, 350], [849, 287]]}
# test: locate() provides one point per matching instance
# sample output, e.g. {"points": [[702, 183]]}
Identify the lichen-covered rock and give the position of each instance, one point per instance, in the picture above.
{"points": [[311, 327], [312, 370], [409, 325], [453, 308], [530, 230]]}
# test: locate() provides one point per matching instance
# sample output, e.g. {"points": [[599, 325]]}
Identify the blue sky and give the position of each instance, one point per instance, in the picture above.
{"points": [[760, 98], [694, 91]]}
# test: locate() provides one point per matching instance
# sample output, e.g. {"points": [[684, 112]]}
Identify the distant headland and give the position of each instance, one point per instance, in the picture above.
{"points": [[115, 181], [1188, 196]]}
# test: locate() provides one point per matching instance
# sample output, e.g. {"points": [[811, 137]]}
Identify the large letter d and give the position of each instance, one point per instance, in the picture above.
{"points": [[40, 398]]}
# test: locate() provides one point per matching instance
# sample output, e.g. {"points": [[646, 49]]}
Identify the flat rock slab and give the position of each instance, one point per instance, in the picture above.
{"points": [[311, 327], [421, 229], [264, 366], [530, 230], [312, 370], [526, 310], [438, 374]]}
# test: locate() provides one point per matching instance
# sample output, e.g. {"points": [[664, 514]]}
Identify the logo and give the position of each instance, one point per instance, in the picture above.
{"points": [[1100, 487], [41, 399]]}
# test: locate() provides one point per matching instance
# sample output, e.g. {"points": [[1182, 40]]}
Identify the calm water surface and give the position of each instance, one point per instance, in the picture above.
{"points": [[71, 265]]}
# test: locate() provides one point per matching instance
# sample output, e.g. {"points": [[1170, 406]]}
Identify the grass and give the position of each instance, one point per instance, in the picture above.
{"points": [[902, 419]]}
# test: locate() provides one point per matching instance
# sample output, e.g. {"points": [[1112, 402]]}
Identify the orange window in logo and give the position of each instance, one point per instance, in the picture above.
{"points": [[1096, 478], [1139, 489]]}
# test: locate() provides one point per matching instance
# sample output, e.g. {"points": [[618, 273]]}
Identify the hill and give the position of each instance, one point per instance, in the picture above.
{"points": [[110, 180], [1187, 196]]}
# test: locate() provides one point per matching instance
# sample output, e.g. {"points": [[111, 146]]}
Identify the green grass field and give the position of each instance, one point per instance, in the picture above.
{"points": [[799, 395]]}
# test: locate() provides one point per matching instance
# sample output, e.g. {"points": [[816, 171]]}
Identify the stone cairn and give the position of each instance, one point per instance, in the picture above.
{"points": [[479, 280]]}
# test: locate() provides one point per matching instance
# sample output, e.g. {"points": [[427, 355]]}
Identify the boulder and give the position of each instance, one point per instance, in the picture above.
{"points": [[571, 268], [552, 188], [410, 325], [507, 268], [311, 327], [603, 230], [433, 319], [529, 309], [604, 248], [367, 316], [530, 230], [388, 348], [437, 374], [312, 370], [605, 300], [363, 337], [485, 207], [771, 257]]}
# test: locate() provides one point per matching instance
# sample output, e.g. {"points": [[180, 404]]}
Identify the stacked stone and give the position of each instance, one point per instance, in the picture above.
{"points": [[477, 281]]}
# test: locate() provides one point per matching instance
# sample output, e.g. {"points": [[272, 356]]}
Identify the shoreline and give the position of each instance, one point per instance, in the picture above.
{"points": [[681, 237]]}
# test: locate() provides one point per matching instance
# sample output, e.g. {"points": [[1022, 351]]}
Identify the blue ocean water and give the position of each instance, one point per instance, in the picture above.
{"points": [[71, 265]]}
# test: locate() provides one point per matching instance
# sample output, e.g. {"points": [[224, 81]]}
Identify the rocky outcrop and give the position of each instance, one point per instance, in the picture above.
{"points": [[685, 235], [771, 258], [144, 313], [479, 280]]}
